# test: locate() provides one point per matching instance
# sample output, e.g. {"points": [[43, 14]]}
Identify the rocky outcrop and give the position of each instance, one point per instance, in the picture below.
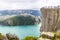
{"points": [[49, 36], [22, 19], [2, 37], [43, 38], [8, 36], [12, 37], [50, 19]]}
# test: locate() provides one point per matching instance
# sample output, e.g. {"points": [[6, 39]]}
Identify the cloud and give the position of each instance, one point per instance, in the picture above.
{"points": [[27, 4], [16, 5], [19, 0]]}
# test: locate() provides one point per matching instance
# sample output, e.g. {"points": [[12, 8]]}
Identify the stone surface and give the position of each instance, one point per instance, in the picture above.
{"points": [[48, 35], [50, 19], [12, 37], [43, 39]]}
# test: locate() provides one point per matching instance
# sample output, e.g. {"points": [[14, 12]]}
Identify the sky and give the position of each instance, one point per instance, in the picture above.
{"points": [[27, 4]]}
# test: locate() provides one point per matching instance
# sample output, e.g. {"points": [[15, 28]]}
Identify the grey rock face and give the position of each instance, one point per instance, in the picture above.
{"points": [[50, 19]]}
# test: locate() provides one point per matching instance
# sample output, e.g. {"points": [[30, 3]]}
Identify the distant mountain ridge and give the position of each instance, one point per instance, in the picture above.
{"points": [[22, 19], [20, 11]]}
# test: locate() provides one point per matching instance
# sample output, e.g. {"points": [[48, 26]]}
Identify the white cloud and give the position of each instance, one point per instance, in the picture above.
{"points": [[19, 0], [27, 4], [16, 5], [47, 3]]}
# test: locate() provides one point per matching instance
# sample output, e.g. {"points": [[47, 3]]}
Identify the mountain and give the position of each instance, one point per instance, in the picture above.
{"points": [[22, 19], [20, 11]]}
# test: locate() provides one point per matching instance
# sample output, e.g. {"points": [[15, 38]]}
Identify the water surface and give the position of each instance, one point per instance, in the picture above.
{"points": [[21, 31]]}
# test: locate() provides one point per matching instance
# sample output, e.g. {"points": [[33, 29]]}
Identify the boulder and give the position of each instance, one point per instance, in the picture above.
{"points": [[2, 37], [12, 37], [43, 38], [48, 35]]}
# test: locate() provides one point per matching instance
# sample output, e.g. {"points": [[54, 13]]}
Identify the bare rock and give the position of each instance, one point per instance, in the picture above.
{"points": [[12, 37]]}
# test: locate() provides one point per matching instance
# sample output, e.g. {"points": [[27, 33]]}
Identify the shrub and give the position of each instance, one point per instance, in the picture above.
{"points": [[30, 38]]}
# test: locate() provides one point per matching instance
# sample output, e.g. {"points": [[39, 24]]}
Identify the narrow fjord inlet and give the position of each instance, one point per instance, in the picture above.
{"points": [[20, 24]]}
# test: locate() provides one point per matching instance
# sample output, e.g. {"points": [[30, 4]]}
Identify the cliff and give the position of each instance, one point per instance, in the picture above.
{"points": [[22, 19], [50, 19]]}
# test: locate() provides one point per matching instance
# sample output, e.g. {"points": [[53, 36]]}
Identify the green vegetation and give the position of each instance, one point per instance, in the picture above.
{"points": [[9, 36], [30, 38], [21, 20]]}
